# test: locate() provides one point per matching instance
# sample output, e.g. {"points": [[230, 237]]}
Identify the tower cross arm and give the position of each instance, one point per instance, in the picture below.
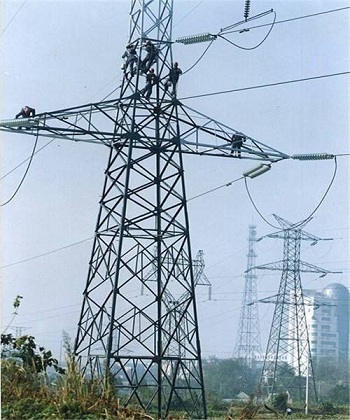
{"points": [[203, 135], [274, 266], [92, 123], [310, 268], [294, 231], [105, 123], [301, 266]]}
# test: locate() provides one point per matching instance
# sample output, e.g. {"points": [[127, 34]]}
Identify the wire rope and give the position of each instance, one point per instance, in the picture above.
{"points": [[54, 138], [266, 85], [220, 34], [227, 184], [47, 253], [236, 45], [200, 58], [25, 160], [191, 11], [256, 46], [10, 323], [25, 173], [308, 218], [13, 17], [292, 19]]}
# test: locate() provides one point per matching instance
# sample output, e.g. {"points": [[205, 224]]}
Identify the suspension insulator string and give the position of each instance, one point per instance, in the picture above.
{"points": [[246, 9]]}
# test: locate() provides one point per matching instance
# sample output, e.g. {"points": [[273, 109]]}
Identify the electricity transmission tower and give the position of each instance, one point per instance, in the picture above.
{"points": [[178, 321], [248, 344], [139, 340], [199, 276], [287, 363]]}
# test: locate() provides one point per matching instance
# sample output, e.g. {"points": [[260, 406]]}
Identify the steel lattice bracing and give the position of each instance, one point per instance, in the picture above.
{"points": [[287, 363], [149, 346], [141, 340], [248, 344], [174, 304]]}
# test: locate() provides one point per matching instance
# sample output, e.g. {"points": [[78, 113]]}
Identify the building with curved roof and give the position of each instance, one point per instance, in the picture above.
{"points": [[327, 314]]}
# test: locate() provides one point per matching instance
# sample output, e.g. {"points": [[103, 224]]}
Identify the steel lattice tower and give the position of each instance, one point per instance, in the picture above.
{"points": [[248, 344], [178, 321], [288, 341], [142, 342]]}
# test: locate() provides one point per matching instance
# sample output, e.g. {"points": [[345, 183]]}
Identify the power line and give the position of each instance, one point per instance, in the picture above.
{"points": [[310, 215], [191, 11], [199, 59], [25, 160], [13, 17], [47, 253], [266, 85], [54, 138], [227, 184], [220, 34], [256, 46], [293, 19], [25, 174]]}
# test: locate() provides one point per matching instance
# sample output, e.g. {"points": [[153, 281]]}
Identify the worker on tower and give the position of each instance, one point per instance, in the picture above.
{"points": [[237, 143], [151, 80], [26, 112], [173, 77], [131, 58], [150, 58]]}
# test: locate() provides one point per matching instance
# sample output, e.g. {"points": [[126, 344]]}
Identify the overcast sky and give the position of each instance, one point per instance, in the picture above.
{"points": [[58, 54]]}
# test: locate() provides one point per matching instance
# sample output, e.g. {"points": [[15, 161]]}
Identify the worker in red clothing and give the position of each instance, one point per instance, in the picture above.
{"points": [[26, 112]]}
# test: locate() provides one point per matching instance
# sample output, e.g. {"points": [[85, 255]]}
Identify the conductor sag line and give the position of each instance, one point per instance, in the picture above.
{"points": [[266, 85]]}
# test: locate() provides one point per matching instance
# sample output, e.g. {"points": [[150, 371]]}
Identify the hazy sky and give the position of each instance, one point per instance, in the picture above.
{"points": [[57, 54]]}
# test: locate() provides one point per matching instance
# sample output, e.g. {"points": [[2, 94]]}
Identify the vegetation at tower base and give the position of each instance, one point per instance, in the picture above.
{"points": [[34, 386]]}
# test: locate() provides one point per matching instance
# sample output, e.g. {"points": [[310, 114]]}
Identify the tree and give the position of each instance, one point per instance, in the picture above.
{"points": [[32, 356], [225, 378], [340, 394]]}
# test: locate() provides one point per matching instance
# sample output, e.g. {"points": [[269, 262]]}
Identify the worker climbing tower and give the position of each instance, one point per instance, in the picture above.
{"points": [[288, 363], [248, 344], [145, 345]]}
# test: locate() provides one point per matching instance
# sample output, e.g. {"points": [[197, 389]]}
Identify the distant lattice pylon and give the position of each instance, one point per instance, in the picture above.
{"points": [[248, 344], [287, 362]]}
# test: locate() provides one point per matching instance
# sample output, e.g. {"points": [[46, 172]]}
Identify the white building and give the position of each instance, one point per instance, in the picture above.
{"points": [[327, 318]]}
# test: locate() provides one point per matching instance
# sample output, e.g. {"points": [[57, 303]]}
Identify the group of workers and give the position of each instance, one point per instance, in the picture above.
{"points": [[133, 64]]}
